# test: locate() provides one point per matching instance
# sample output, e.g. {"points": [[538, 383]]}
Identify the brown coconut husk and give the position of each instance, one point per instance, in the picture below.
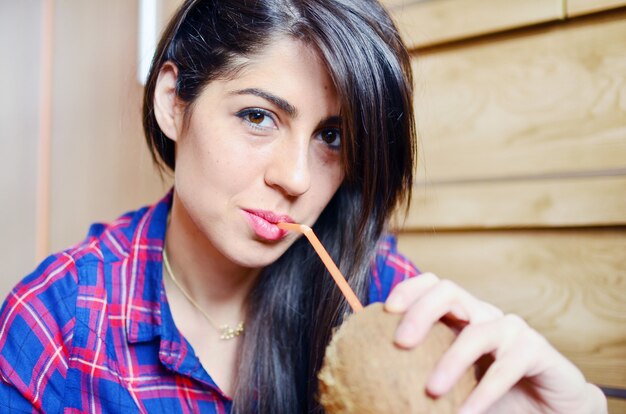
{"points": [[365, 372]]}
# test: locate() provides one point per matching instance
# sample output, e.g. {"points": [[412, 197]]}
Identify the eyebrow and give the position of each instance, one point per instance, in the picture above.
{"points": [[279, 102], [331, 121]]}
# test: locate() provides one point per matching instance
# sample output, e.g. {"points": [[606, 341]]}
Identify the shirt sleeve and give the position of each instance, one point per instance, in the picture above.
{"points": [[388, 269], [36, 325]]}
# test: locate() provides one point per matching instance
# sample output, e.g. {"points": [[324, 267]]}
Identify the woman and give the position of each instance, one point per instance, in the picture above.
{"points": [[265, 111]]}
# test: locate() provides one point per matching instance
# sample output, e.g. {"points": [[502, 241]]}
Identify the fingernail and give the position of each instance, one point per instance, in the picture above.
{"points": [[395, 303], [437, 383], [405, 335], [467, 410]]}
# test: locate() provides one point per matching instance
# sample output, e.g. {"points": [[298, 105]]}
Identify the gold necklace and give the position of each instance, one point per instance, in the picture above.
{"points": [[226, 331]]}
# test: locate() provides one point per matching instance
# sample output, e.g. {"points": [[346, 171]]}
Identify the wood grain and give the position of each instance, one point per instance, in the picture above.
{"points": [[617, 406], [591, 201], [44, 142], [19, 79], [100, 163], [390, 4], [569, 285], [580, 7], [548, 100], [168, 8], [428, 23]]}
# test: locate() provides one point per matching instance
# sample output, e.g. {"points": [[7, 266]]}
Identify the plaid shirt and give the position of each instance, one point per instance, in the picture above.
{"points": [[91, 331]]}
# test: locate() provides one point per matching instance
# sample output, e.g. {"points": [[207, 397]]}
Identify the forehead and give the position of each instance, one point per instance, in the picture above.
{"points": [[287, 67]]}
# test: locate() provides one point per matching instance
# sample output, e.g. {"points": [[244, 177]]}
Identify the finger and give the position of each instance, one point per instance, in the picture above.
{"points": [[514, 360], [474, 341], [443, 298], [498, 380], [408, 291]]}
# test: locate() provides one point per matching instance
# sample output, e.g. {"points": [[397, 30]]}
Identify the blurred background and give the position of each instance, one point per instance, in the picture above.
{"points": [[521, 111]]}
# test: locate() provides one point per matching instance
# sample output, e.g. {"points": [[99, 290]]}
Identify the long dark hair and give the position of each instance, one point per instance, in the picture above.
{"points": [[294, 305]]}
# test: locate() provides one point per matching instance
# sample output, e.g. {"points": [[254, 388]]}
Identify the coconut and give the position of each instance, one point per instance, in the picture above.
{"points": [[365, 372]]}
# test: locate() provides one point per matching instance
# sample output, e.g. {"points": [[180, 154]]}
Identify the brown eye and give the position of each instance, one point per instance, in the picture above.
{"points": [[329, 136], [332, 138], [256, 117]]}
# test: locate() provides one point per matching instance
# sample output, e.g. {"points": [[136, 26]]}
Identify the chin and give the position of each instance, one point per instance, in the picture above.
{"points": [[260, 255]]}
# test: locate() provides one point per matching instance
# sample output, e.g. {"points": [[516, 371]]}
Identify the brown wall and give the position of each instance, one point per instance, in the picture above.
{"points": [[19, 43], [97, 163], [521, 193]]}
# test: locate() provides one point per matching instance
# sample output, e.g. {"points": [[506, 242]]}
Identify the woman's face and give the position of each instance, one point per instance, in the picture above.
{"points": [[260, 148]]}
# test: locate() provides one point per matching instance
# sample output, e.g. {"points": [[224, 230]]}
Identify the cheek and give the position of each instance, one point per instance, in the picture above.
{"points": [[332, 168], [329, 178], [215, 159]]}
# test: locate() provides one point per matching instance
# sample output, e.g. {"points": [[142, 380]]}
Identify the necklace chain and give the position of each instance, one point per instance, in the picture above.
{"points": [[226, 331]]}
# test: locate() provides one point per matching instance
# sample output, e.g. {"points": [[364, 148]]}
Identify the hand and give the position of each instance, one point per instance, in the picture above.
{"points": [[524, 373]]}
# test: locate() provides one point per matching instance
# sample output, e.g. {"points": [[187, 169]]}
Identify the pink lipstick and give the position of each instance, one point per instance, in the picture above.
{"points": [[263, 222]]}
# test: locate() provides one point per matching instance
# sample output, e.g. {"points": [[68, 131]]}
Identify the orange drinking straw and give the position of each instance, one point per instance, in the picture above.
{"points": [[340, 280]]}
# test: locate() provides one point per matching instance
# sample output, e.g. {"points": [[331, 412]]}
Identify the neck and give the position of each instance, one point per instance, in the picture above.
{"points": [[215, 283]]}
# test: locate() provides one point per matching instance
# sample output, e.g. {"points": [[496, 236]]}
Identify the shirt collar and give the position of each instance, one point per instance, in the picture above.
{"points": [[147, 313], [143, 272]]}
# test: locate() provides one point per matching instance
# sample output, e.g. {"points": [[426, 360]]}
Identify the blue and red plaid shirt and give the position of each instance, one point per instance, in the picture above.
{"points": [[91, 331]]}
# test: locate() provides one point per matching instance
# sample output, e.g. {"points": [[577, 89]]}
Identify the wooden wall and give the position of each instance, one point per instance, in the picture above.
{"points": [[521, 192], [100, 165], [94, 164], [18, 137]]}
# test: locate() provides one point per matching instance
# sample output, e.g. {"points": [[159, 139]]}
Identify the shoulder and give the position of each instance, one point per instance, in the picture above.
{"points": [[389, 267], [49, 293], [112, 241], [38, 317], [54, 283], [36, 326]]}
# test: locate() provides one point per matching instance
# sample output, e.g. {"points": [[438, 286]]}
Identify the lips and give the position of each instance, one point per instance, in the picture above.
{"points": [[263, 223]]}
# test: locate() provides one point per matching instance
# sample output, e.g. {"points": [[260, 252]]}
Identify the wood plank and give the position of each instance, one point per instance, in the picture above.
{"points": [[548, 100], [19, 80], [580, 7], [617, 406], [569, 285], [100, 163], [591, 201], [168, 8], [390, 4], [44, 140], [428, 23]]}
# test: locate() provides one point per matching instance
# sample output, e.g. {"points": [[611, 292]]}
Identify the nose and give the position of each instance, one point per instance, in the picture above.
{"points": [[288, 169]]}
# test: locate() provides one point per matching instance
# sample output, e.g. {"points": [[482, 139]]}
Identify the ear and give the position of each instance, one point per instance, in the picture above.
{"points": [[167, 109]]}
